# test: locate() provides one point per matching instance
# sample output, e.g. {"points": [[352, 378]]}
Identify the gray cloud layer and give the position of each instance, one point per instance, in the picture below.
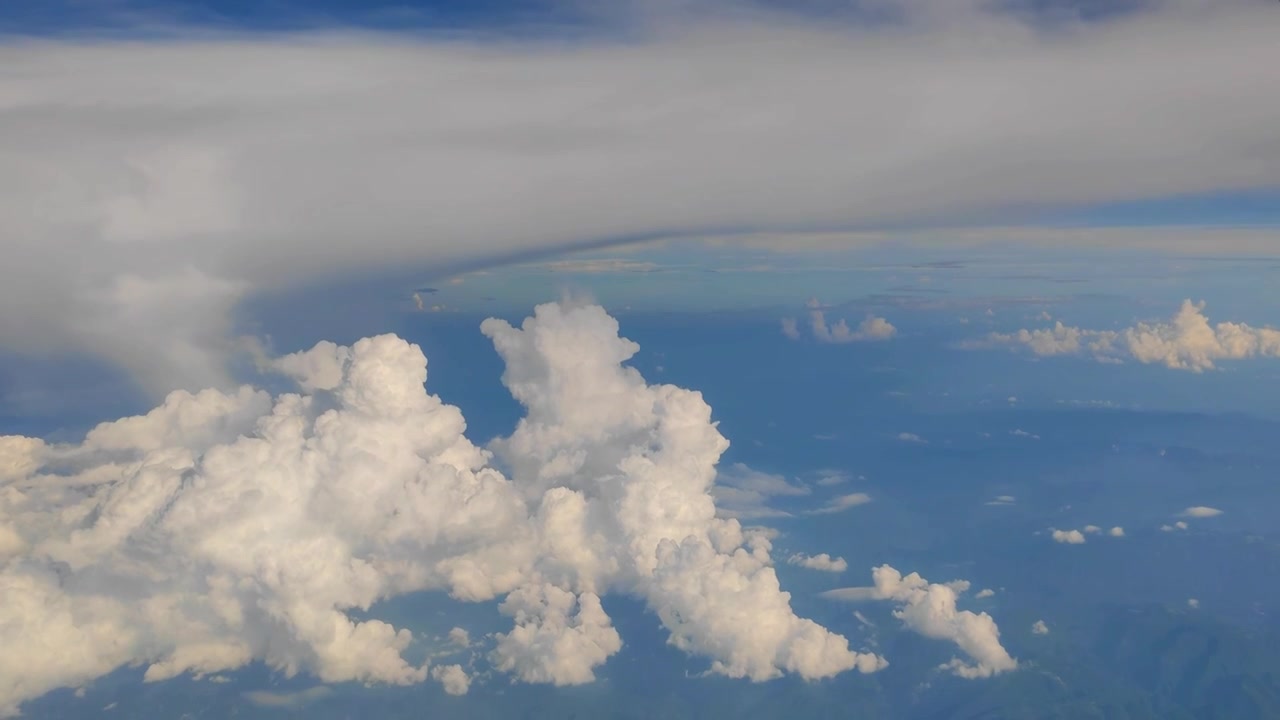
{"points": [[146, 188]]}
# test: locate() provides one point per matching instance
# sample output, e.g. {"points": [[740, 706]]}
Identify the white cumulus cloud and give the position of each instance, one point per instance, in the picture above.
{"points": [[454, 679], [821, 561], [1070, 537], [1186, 342], [871, 328], [460, 637], [226, 528], [1039, 628], [930, 609]]}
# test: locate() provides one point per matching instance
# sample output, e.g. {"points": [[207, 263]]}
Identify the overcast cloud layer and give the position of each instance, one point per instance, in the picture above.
{"points": [[147, 187], [221, 529]]}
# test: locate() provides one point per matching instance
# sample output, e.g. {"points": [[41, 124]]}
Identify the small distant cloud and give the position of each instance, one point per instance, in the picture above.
{"points": [[460, 637], [1092, 529], [985, 593], [1116, 531], [1200, 511], [911, 438], [1193, 603], [790, 328], [1187, 341], [841, 503], [1069, 537], [287, 700], [1039, 628], [1019, 432], [1180, 525], [822, 562], [871, 329], [827, 478]]}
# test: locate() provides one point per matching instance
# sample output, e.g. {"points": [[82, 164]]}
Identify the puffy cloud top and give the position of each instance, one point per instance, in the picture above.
{"points": [[930, 609], [1185, 342], [1070, 537], [223, 528], [871, 328], [821, 561]]}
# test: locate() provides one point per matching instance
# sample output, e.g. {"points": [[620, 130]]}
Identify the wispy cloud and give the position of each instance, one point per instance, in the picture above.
{"points": [[288, 700], [828, 477], [841, 503], [744, 493], [609, 265]]}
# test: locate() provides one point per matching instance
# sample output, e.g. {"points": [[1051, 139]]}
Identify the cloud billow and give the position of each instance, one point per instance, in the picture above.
{"points": [[930, 610], [225, 528]]}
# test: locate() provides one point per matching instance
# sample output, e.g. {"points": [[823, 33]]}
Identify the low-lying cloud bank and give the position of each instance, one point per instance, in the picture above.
{"points": [[1186, 342], [225, 528]]}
